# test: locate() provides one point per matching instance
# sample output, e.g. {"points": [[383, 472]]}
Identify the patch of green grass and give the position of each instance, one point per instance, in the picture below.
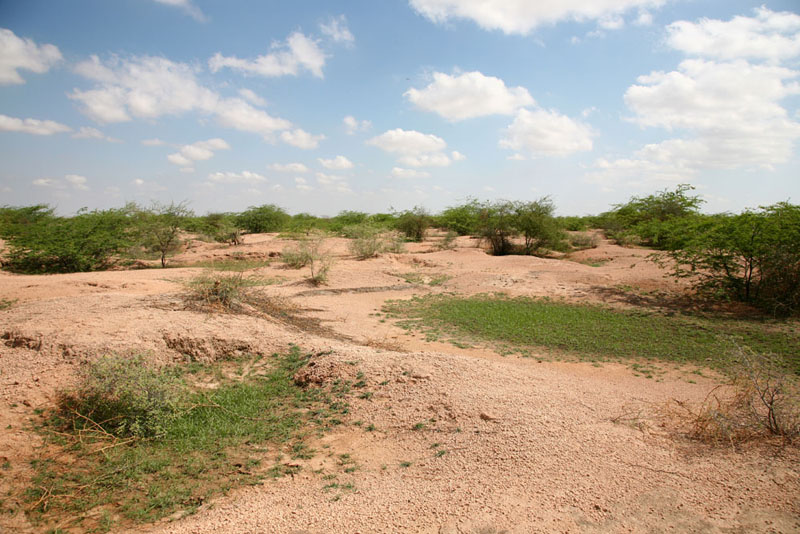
{"points": [[216, 442], [593, 331], [7, 303]]}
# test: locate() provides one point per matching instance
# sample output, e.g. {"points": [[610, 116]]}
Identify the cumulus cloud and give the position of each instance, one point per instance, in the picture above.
{"points": [[87, 132], [336, 28], [301, 139], [23, 54], [767, 35], [287, 59], [302, 184], [289, 167], [399, 172], [77, 181], [32, 126], [353, 125], [149, 87], [521, 16], [546, 133], [338, 163], [244, 177], [187, 6], [469, 95], [252, 97], [728, 109], [333, 183], [199, 151], [413, 148]]}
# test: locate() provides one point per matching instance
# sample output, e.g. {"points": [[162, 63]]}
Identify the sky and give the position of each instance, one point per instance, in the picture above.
{"points": [[321, 106]]}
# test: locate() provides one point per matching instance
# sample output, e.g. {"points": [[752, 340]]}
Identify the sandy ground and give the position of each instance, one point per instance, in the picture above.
{"points": [[530, 446]]}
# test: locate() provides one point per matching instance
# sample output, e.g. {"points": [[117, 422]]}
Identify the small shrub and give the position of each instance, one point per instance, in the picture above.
{"points": [[413, 223], [320, 260], [393, 242], [297, 256], [448, 242], [366, 240], [121, 396], [261, 219], [764, 400], [583, 241], [219, 290]]}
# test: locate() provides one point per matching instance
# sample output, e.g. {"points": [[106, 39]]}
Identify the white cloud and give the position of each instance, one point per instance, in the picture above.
{"points": [[413, 148], [288, 58], [399, 172], [337, 30], [301, 139], [289, 167], [77, 181], [143, 87], [645, 18], [611, 22], [728, 111], [546, 133], [333, 183], [252, 97], [767, 35], [732, 109], [457, 156], [302, 184], [338, 163], [186, 5], [407, 142], [46, 182], [23, 54], [469, 95], [31, 126], [238, 114], [153, 142], [150, 87], [87, 132], [353, 125], [199, 151], [244, 177], [521, 16]]}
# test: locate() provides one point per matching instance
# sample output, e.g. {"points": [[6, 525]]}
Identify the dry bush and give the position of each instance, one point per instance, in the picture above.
{"points": [[763, 400]]}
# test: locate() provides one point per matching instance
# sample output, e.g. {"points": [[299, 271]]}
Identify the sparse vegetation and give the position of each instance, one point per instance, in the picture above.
{"points": [[221, 291], [198, 442], [523, 323], [413, 223]]}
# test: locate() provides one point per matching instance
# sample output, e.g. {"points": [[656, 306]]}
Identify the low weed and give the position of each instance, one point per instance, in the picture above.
{"points": [[593, 331], [179, 445], [229, 264], [583, 241], [7, 303], [224, 292], [761, 400]]}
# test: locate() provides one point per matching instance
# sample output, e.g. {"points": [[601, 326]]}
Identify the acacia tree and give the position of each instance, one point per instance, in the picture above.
{"points": [[535, 221], [159, 227]]}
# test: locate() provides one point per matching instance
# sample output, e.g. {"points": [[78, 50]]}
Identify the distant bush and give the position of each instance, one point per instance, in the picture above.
{"points": [[654, 220], [413, 223], [40, 242], [158, 227], [122, 396], [535, 221], [463, 219], [298, 255], [366, 241], [583, 241], [574, 224], [262, 219], [220, 227]]}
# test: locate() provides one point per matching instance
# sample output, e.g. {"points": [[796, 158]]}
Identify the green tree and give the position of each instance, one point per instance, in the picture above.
{"points": [[159, 227], [463, 219], [496, 225], [261, 219], [40, 242], [535, 221], [413, 223]]}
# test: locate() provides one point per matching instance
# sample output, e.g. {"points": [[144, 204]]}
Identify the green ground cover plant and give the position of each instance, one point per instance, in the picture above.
{"points": [[184, 445], [594, 331]]}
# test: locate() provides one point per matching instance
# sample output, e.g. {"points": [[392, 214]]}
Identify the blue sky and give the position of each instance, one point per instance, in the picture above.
{"points": [[322, 106]]}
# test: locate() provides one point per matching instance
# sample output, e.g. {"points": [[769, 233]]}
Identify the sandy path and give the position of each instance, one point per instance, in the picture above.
{"points": [[529, 447]]}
